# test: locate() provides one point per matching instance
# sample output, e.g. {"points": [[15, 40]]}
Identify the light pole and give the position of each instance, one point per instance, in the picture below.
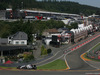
{"points": [[22, 5]]}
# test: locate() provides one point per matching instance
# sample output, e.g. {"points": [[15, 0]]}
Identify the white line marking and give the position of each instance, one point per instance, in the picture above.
{"points": [[48, 58], [52, 60]]}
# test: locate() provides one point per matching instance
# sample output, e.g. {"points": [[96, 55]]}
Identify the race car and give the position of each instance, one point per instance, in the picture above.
{"points": [[29, 66]]}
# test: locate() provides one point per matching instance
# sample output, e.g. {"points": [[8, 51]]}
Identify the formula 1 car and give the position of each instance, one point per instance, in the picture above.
{"points": [[29, 66]]}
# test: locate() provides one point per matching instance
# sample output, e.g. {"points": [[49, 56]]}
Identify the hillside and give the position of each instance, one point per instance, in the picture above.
{"points": [[66, 7]]}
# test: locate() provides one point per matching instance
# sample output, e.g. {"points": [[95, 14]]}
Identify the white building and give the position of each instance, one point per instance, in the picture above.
{"points": [[68, 21], [19, 38]]}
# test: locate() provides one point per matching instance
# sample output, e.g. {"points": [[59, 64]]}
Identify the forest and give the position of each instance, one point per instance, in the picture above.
{"points": [[34, 27], [30, 27], [63, 6]]}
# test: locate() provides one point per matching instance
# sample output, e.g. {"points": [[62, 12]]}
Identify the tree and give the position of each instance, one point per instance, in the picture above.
{"points": [[43, 51], [5, 31], [28, 56], [49, 51], [72, 26]]}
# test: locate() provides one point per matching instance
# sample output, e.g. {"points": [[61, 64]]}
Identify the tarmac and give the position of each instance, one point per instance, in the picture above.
{"points": [[75, 62]]}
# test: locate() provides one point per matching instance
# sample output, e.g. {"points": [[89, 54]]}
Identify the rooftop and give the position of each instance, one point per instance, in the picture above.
{"points": [[19, 36]]}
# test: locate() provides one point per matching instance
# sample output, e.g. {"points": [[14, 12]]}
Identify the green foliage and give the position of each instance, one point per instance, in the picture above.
{"points": [[57, 64], [9, 28], [43, 51], [73, 25], [54, 24], [6, 58], [12, 58], [28, 56], [92, 59], [49, 51]]}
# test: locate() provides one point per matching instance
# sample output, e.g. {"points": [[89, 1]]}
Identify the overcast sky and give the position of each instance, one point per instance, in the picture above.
{"points": [[95, 3]]}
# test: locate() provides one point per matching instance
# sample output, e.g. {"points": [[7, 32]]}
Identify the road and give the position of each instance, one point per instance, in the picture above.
{"points": [[60, 53], [50, 72], [75, 62]]}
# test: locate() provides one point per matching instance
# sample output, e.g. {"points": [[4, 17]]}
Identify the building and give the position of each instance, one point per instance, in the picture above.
{"points": [[61, 35], [14, 44], [63, 29], [68, 21], [48, 32], [3, 41], [19, 38], [33, 14]]}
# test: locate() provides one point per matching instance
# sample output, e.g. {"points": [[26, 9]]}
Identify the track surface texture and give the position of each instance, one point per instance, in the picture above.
{"points": [[75, 62]]}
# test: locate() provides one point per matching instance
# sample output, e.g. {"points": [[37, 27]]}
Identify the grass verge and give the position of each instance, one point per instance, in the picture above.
{"points": [[55, 65], [7, 67], [92, 51], [85, 56], [95, 47]]}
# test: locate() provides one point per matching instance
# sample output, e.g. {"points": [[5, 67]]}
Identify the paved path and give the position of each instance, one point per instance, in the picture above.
{"points": [[75, 62], [94, 63], [66, 49]]}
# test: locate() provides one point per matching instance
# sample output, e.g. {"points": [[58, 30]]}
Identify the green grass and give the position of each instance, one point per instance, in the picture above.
{"points": [[85, 56], [91, 51], [95, 47], [7, 67], [57, 65]]}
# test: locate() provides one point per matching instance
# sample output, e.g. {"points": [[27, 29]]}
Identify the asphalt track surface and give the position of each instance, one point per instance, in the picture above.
{"points": [[75, 62], [50, 72], [65, 50], [60, 53]]}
